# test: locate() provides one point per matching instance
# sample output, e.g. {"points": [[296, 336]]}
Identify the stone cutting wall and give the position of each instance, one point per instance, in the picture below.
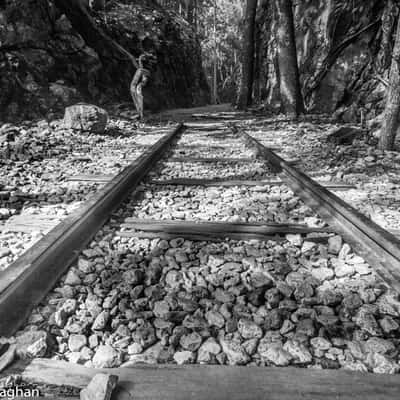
{"points": [[45, 65], [351, 40]]}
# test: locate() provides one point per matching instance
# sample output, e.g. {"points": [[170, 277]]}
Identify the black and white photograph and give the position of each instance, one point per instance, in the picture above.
{"points": [[200, 199]]}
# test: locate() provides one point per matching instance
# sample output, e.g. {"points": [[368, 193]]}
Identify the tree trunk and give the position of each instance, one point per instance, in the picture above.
{"points": [[392, 110], [246, 86], [215, 59], [195, 16], [189, 10], [258, 58], [289, 82], [388, 25]]}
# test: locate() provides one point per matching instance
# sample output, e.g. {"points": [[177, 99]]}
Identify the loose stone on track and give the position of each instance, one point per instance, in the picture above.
{"points": [[294, 301]]}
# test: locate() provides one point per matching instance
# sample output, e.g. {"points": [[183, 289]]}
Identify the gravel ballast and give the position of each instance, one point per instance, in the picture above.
{"points": [[36, 167], [297, 301]]}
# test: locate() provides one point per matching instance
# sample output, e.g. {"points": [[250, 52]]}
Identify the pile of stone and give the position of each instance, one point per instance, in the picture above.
{"points": [[238, 303], [42, 156], [294, 302], [31, 141]]}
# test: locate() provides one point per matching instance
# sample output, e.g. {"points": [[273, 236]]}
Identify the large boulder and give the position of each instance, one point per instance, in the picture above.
{"points": [[86, 117]]}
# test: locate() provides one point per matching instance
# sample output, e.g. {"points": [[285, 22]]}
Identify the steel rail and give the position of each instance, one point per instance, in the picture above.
{"points": [[378, 246], [27, 281]]}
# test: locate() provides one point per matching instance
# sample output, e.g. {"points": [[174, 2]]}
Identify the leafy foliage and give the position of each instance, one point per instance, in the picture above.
{"points": [[226, 16], [226, 44]]}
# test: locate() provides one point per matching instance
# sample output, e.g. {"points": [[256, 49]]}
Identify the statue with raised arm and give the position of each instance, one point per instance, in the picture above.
{"points": [[140, 79]]}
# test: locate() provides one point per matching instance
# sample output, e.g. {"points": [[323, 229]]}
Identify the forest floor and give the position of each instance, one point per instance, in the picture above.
{"points": [[35, 179]]}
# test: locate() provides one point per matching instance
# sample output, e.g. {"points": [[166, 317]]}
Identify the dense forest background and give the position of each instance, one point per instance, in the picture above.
{"points": [[54, 53]]}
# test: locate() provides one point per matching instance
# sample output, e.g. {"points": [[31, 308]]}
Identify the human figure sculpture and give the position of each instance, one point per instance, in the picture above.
{"points": [[139, 80]]}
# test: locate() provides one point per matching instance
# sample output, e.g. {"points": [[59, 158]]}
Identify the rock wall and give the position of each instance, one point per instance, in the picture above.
{"points": [[45, 65], [344, 49]]}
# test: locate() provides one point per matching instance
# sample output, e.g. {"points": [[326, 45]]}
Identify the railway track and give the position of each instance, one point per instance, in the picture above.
{"points": [[166, 176]]}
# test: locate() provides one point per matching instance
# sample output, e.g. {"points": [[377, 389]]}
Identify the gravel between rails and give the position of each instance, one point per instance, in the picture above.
{"points": [[233, 204], [222, 144], [293, 302], [171, 170]]}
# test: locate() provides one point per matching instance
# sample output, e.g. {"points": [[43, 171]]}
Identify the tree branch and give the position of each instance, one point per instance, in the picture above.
{"points": [[333, 55], [94, 36], [380, 79], [21, 46]]}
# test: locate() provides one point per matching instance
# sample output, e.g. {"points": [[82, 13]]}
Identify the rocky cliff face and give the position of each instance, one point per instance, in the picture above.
{"points": [[46, 65], [344, 49]]}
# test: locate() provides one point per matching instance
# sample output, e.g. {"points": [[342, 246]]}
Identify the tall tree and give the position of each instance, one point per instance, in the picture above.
{"points": [[215, 57], [190, 9], [392, 110], [246, 86], [289, 82]]}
